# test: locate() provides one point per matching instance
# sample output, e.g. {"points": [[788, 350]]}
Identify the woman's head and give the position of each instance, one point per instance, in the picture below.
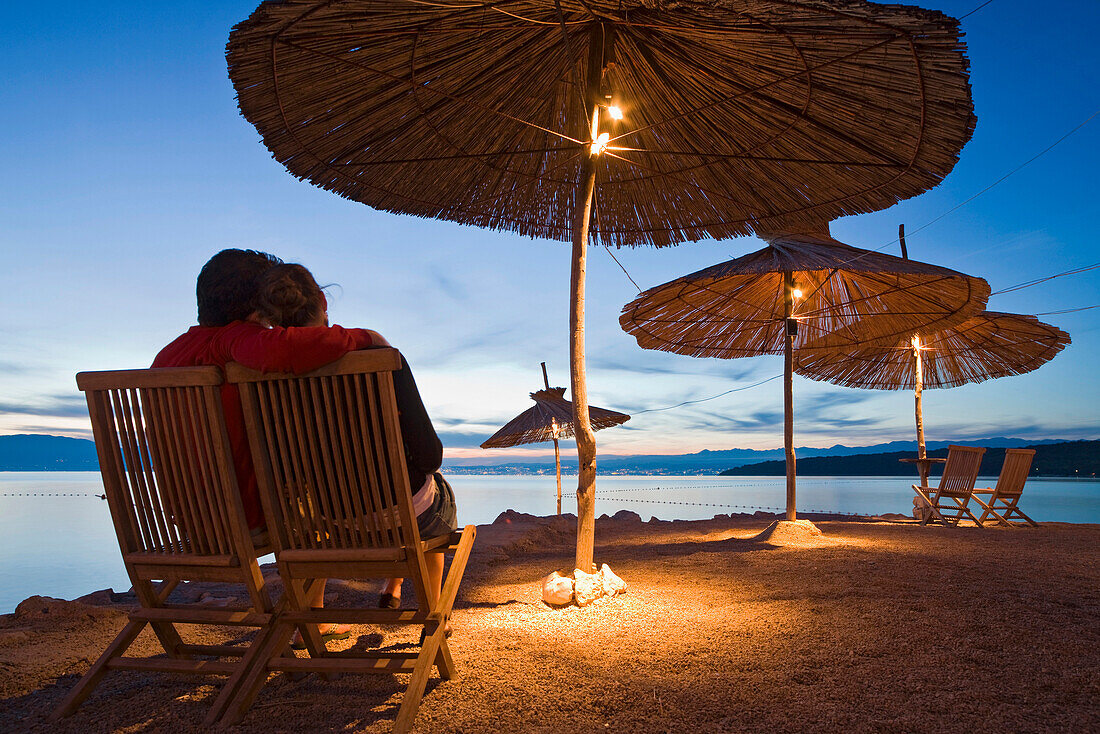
{"points": [[289, 296]]}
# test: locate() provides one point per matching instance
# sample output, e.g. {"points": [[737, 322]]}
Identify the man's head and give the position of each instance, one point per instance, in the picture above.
{"points": [[227, 285]]}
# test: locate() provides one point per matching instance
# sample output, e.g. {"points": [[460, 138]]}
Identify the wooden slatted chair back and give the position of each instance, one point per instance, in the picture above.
{"points": [[330, 460], [961, 471], [168, 473], [327, 447], [167, 467], [1013, 476]]}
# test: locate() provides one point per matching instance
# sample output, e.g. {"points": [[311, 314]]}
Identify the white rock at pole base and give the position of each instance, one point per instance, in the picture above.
{"points": [[557, 589], [587, 587], [612, 584]]}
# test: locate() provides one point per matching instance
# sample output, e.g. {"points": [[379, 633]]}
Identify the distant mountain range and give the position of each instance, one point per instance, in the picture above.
{"points": [[32, 452], [706, 461], [26, 452], [1068, 459]]}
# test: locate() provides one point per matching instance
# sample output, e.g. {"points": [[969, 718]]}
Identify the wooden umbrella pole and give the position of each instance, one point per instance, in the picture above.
{"points": [[789, 326], [557, 471], [582, 428], [601, 41], [922, 465], [557, 453], [919, 386]]}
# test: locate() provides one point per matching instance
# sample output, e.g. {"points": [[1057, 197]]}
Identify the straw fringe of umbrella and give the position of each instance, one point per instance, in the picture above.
{"points": [[736, 308], [987, 346]]}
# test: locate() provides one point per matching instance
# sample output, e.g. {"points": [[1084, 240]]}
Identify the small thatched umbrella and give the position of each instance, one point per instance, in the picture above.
{"points": [[986, 346], [550, 419], [798, 288], [506, 115]]}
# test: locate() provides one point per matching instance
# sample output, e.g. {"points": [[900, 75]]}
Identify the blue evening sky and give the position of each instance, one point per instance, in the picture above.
{"points": [[126, 166]]}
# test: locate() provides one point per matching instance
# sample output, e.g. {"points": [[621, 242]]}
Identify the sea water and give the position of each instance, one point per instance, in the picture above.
{"points": [[56, 536]]}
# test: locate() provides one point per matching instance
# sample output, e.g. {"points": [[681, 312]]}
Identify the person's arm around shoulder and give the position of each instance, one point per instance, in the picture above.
{"points": [[296, 349], [377, 340]]}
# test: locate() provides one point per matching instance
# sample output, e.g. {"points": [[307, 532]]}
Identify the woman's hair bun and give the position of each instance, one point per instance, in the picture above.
{"points": [[289, 296]]}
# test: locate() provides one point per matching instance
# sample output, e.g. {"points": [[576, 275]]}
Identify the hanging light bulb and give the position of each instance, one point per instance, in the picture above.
{"points": [[797, 293], [615, 112], [600, 143]]}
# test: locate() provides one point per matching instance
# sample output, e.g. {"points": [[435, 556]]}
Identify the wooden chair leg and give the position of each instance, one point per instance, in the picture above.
{"points": [[963, 509], [297, 592], [935, 515], [1027, 519], [164, 589], [150, 597], [991, 513], [986, 511], [255, 676], [1009, 510], [443, 660], [410, 702], [933, 512], [99, 668], [252, 658]]}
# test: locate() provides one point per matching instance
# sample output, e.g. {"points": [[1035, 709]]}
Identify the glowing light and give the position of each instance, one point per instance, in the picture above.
{"points": [[615, 112], [797, 293], [600, 143]]}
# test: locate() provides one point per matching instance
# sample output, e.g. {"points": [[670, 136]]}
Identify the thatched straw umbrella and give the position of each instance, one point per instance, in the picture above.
{"points": [[986, 346], [798, 288], [550, 419], [505, 115]]}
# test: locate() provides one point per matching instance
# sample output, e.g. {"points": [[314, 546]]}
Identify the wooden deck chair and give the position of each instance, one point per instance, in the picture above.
{"points": [[172, 492], [948, 502], [1010, 485], [330, 462]]}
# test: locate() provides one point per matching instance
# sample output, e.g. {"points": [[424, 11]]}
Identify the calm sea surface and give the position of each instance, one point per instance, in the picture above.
{"points": [[56, 537]]}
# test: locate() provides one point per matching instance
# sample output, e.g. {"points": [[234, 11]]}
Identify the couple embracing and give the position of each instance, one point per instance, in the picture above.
{"points": [[272, 316]]}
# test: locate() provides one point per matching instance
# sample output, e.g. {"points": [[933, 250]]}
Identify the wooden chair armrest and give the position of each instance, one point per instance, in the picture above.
{"points": [[924, 493], [441, 541]]}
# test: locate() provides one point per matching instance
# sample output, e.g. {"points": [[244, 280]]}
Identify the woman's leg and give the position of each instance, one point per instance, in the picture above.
{"points": [[434, 561], [317, 601]]}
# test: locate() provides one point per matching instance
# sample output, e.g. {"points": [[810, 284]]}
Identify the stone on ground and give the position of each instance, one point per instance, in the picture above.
{"points": [[557, 590], [587, 587]]}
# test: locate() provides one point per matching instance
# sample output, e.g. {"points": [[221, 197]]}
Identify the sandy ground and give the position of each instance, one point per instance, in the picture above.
{"points": [[872, 626]]}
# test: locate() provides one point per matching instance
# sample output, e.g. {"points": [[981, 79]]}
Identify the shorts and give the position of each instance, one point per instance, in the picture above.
{"points": [[442, 517]]}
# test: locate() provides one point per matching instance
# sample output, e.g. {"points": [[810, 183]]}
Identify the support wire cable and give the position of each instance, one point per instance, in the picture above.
{"points": [[1037, 281], [703, 400]]}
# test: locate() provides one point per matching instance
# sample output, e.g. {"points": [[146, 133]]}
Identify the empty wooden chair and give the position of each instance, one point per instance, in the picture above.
{"points": [[1010, 485], [330, 463], [170, 484], [948, 502]]}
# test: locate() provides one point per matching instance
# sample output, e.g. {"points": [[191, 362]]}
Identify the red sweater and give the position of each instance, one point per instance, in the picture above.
{"points": [[296, 349]]}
